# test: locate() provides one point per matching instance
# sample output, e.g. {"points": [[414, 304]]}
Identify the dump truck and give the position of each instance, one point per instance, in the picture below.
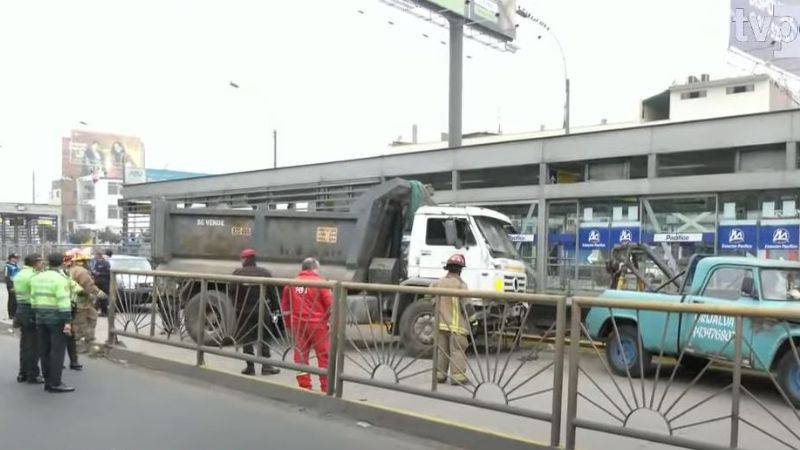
{"points": [[391, 234]]}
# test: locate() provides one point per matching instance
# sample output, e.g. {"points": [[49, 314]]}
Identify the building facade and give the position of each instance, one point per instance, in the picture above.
{"points": [[25, 224], [727, 185]]}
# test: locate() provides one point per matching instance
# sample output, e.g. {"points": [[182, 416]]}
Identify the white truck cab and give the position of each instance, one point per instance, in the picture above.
{"points": [[481, 236]]}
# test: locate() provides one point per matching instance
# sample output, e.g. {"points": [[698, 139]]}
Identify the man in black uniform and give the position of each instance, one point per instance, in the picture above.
{"points": [[247, 299]]}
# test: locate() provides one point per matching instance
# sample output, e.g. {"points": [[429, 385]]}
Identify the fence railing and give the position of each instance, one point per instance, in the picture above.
{"points": [[46, 248], [688, 375]]}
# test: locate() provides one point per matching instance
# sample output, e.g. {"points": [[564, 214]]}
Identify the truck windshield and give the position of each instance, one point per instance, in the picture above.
{"points": [[780, 284], [494, 231]]}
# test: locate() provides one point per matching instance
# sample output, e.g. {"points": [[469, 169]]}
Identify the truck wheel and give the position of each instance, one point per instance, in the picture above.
{"points": [[220, 324], [417, 328], [789, 377], [623, 353]]}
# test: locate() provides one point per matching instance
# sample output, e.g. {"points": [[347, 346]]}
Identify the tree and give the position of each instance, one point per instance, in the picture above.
{"points": [[80, 237], [108, 236]]}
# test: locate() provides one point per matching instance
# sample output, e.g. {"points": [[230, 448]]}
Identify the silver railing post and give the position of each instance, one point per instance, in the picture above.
{"points": [[262, 298], [112, 309], [558, 372], [337, 344], [737, 382], [153, 307], [201, 323], [435, 350], [572, 387]]}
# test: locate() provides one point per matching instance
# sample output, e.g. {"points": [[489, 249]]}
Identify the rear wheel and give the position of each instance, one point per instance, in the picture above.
{"points": [[622, 353], [417, 328], [789, 377], [219, 327]]}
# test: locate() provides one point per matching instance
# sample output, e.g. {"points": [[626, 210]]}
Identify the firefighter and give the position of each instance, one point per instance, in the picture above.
{"points": [[247, 299], [453, 325], [50, 302], [28, 349], [75, 289], [306, 311], [85, 319]]}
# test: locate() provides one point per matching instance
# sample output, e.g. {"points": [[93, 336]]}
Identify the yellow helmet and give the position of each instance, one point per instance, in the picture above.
{"points": [[82, 255]]}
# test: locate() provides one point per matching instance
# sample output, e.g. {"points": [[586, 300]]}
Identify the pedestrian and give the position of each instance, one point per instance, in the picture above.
{"points": [[247, 297], [453, 325], [52, 312], [10, 270], [28, 348], [101, 273], [85, 319], [306, 312]]}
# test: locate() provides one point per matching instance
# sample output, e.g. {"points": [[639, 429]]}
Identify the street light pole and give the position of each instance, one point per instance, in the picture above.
{"points": [[454, 130], [274, 149]]}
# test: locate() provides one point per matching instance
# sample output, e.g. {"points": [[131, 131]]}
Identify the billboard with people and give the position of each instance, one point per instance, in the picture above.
{"points": [[101, 155]]}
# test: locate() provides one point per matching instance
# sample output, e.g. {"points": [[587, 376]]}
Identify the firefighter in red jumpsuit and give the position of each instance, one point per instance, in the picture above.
{"points": [[306, 311]]}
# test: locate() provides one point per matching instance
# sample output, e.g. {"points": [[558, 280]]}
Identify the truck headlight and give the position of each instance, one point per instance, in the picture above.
{"points": [[499, 286]]}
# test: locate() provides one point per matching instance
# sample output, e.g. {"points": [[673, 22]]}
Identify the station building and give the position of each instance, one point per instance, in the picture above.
{"points": [[682, 181]]}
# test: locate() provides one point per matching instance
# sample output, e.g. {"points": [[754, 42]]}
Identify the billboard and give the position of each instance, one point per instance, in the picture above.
{"points": [[101, 155], [767, 30], [490, 16]]}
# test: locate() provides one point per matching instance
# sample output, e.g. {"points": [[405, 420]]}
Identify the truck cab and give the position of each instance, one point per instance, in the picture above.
{"points": [[769, 345], [480, 235]]}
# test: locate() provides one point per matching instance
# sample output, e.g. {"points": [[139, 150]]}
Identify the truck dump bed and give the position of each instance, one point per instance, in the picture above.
{"points": [[361, 244]]}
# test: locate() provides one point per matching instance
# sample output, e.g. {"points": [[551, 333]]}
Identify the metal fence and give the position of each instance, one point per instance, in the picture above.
{"points": [[48, 247], [687, 375]]}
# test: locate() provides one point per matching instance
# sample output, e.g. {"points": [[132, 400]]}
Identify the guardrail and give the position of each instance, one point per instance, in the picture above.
{"points": [[402, 339]]}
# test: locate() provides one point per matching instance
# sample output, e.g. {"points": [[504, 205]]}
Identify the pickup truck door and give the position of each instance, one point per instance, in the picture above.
{"points": [[711, 335]]}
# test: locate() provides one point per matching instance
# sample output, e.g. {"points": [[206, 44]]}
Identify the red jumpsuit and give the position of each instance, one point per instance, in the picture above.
{"points": [[306, 311]]}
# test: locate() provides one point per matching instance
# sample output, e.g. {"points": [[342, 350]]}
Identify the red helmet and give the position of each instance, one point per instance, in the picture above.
{"points": [[247, 253], [456, 260]]}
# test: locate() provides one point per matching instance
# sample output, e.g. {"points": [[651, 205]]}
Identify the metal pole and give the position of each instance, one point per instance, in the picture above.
{"points": [[112, 309], [435, 355], [558, 372], [456, 81], [262, 298], [341, 325], [737, 382], [201, 323], [33, 186], [566, 107], [572, 387], [153, 307], [274, 149], [333, 336]]}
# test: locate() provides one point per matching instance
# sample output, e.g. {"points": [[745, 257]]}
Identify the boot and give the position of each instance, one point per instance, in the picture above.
{"points": [[35, 380], [250, 369], [269, 370], [76, 366], [60, 389]]}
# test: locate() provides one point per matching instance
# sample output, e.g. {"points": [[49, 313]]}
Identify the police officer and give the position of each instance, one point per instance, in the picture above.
{"points": [[10, 270], [453, 325], [28, 349], [50, 301]]}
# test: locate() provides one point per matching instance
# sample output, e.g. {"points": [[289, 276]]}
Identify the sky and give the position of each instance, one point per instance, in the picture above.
{"points": [[335, 82]]}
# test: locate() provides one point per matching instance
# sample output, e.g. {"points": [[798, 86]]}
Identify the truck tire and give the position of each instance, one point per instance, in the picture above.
{"points": [[789, 377], [417, 328], [220, 324], [622, 353]]}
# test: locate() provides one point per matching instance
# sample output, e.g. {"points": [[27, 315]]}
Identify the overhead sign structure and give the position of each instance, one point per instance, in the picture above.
{"points": [[737, 237], [493, 17], [779, 237]]}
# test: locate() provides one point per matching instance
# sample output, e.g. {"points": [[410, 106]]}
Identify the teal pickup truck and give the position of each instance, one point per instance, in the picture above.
{"points": [[711, 280]]}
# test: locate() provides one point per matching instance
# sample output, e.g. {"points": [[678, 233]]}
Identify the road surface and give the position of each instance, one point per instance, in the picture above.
{"points": [[119, 407]]}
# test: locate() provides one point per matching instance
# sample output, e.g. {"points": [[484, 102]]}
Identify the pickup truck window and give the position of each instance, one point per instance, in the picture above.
{"points": [[435, 234], [726, 283], [780, 284]]}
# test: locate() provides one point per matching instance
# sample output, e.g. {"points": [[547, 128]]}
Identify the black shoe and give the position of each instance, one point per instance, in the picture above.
{"points": [[76, 367], [269, 370], [35, 380], [60, 389], [21, 378], [249, 370]]}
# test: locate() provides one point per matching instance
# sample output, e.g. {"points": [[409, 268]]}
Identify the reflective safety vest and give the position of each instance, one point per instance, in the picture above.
{"points": [[50, 298], [22, 285]]}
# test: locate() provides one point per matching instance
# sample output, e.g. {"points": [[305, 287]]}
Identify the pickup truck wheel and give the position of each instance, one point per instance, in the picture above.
{"points": [[220, 324], [417, 327], [622, 353], [789, 377]]}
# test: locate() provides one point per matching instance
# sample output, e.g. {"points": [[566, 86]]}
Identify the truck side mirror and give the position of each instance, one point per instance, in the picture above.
{"points": [[451, 233], [748, 289]]}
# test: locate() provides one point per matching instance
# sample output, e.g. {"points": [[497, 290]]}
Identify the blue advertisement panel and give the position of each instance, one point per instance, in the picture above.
{"points": [[779, 237], [737, 238], [594, 238], [625, 235]]}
